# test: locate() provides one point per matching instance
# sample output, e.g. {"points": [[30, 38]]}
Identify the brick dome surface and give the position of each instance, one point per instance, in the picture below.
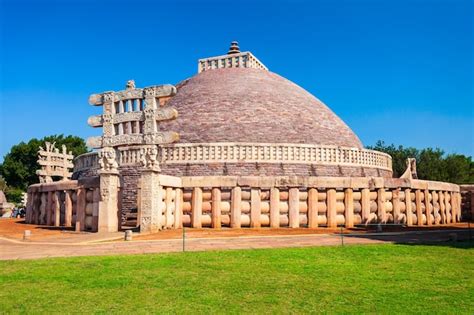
{"points": [[252, 105]]}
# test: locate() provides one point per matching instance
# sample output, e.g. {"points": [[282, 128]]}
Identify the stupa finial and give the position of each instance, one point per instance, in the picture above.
{"points": [[234, 48]]}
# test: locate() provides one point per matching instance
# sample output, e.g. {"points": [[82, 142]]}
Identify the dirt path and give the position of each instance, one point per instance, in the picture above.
{"points": [[15, 249]]}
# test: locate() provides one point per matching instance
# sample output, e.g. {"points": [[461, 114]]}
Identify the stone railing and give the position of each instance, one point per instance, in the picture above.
{"points": [[239, 60], [201, 153], [69, 203], [273, 153], [86, 161], [237, 202]]}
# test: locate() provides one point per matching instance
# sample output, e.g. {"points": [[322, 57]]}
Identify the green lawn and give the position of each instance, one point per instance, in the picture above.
{"points": [[349, 279]]}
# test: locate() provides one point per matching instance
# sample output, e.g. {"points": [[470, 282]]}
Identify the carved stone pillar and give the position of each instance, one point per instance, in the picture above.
{"points": [[108, 218], [108, 215], [152, 217], [151, 200]]}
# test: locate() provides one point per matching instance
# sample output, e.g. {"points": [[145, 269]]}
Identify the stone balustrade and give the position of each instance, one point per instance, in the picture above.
{"points": [[237, 60], [273, 153], [295, 202], [86, 161], [189, 153], [66, 203]]}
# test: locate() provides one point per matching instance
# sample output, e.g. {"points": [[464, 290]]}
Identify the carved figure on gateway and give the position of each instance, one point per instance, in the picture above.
{"points": [[107, 159]]}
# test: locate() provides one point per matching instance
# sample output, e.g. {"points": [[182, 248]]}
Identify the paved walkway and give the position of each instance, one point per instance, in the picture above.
{"points": [[15, 249]]}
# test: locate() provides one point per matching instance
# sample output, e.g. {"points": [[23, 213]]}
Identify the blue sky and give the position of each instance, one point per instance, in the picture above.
{"points": [[400, 71]]}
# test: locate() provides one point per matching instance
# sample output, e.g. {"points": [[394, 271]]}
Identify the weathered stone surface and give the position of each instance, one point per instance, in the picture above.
{"points": [[54, 163], [251, 105]]}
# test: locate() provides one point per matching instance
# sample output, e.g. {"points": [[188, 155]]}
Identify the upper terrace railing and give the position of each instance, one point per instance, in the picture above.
{"points": [[238, 60], [201, 153]]}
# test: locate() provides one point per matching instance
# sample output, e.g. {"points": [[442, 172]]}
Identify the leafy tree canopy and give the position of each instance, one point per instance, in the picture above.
{"points": [[431, 164], [20, 164]]}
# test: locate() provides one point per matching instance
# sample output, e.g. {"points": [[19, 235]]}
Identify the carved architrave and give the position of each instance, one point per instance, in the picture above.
{"points": [[137, 126], [54, 163]]}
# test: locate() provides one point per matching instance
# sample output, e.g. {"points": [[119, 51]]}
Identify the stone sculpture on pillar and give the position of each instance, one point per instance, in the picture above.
{"points": [[149, 158], [107, 160], [151, 209]]}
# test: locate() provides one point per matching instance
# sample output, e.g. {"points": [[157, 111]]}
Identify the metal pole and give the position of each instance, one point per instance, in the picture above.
{"points": [[184, 238], [469, 228], [342, 237]]}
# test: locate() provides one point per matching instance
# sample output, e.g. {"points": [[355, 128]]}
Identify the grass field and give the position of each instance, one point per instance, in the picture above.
{"points": [[349, 279]]}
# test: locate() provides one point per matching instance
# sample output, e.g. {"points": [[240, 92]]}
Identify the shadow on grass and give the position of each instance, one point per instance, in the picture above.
{"points": [[458, 237]]}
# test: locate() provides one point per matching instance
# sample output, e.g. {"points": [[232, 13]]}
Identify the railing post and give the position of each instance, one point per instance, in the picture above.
{"points": [[427, 207], [56, 208], [365, 205], [255, 208], [235, 212], [178, 208], [68, 208], [81, 208], [382, 217], [312, 208], [349, 208], [294, 208], [331, 208], [216, 207], [274, 207], [419, 213], [196, 206], [396, 205], [408, 208]]}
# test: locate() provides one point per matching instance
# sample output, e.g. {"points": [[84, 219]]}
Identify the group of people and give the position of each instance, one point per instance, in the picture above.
{"points": [[18, 213]]}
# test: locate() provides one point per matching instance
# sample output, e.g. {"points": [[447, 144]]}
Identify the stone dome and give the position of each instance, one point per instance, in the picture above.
{"points": [[253, 105]]}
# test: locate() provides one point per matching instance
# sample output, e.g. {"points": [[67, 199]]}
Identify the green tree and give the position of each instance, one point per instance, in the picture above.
{"points": [[431, 164], [3, 184], [459, 169], [399, 155], [20, 164]]}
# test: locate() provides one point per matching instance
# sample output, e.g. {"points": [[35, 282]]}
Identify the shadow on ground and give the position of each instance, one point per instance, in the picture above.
{"points": [[451, 236]]}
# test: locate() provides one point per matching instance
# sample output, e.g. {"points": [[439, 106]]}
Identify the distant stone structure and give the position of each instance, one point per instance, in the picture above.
{"points": [[410, 172], [54, 163], [249, 148], [5, 206]]}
